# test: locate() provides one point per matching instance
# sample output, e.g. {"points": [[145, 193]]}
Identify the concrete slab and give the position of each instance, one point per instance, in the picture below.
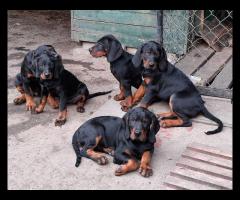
{"points": [[42, 157]]}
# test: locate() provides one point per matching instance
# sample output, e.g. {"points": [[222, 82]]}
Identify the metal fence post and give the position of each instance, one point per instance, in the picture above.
{"points": [[160, 26]]}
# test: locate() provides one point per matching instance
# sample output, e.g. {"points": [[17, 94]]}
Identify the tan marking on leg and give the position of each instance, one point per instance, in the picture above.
{"points": [[131, 165], [171, 122], [120, 96], [97, 156], [145, 168], [166, 114], [42, 104], [138, 95], [53, 102], [30, 104]]}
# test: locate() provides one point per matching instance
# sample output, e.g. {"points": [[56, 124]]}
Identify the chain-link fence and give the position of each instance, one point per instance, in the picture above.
{"points": [[202, 41], [212, 27]]}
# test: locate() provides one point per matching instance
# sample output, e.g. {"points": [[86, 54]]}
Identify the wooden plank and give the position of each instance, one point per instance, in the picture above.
{"points": [[201, 178], [83, 35], [205, 168], [224, 78], [213, 66], [183, 184], [117, 17], [202, 148], [195, 59], [210, 159], [99, 27], [216, 92]]}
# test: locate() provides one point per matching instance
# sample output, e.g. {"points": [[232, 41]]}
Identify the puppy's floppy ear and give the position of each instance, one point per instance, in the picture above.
{"points": [[126, 119], [27, 65], [137, 58], [115, 49], [154, 128], [163, 63], [58, 65]]}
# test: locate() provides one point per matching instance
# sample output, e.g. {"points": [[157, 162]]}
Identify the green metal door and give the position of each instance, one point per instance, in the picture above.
{"points": [[131, 27]]}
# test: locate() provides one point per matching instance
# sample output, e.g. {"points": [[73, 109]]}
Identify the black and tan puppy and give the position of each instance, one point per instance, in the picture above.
{"points": [[120, 64], [167, 83], [27, 81], [61, 84], [127, 139]]}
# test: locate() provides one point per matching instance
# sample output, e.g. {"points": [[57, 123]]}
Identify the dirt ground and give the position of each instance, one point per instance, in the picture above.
{"points": [[40, 155]]}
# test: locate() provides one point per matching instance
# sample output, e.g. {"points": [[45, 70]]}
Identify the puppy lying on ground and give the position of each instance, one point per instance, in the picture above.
{"points": [[127, 139], [27, 81], [121, 66], [61, 83]]}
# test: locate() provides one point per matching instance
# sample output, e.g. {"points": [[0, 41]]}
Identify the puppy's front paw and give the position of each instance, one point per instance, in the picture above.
{"points": [[19, 100], [118, 97], [38, 110], [80, 109], [120, 171], [102, 160], [146, 171], [124, 108], [30, 105], [163, 124], [60, 122]]}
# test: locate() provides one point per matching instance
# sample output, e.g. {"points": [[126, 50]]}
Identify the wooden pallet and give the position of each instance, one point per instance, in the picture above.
{"points": [[213, 70], [201, 167]]}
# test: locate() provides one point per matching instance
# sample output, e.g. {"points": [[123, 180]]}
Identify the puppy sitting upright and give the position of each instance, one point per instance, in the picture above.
{"points": [[167, 83], [120, 64], [27, 81], [131, 138], [62, 84]]}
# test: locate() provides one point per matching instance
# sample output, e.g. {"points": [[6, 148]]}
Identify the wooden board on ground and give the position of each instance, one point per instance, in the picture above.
{"points": [[216, 92], [224, 78], [195, 58], [201, 167], [213, 66]]}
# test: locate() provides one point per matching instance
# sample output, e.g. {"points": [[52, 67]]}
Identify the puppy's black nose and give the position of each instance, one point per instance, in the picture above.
{"points": [[151, 63], [47, 75], [137, 132]]}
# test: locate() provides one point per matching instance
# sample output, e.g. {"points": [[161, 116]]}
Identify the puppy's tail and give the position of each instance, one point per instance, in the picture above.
{"points": [[208, 115], [98, 94], [78, 154]]}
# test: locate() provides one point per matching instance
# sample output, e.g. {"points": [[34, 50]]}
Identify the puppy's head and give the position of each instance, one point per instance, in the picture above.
{"points": [[107, 46], [44, 49], [142, 125], [152, 56], [49, 66], [29, 65]]}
